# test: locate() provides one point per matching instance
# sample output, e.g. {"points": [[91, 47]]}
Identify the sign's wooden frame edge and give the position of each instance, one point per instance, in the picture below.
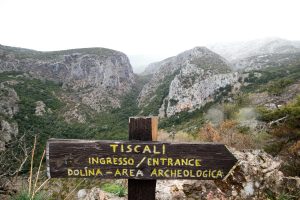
{"points": [[130, 141]]}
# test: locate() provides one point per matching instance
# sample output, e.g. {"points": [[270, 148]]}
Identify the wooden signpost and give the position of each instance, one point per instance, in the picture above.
{"points": [[142, 160]]}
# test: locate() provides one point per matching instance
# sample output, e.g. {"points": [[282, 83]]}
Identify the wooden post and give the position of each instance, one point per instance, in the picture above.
{"points": [[144, 129]]}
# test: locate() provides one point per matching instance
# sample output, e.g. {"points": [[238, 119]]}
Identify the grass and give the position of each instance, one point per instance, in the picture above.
{"points": [[25, 195], [113, 188]]}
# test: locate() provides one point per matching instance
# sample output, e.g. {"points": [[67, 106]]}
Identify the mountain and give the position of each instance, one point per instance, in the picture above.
{"points": [[185, 82], [98, 77], [267, 60], [240, 50]]}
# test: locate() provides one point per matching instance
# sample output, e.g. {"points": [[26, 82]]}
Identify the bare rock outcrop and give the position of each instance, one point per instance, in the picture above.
{"points": [[7, 132], [8, 100], [40, 108], [187, 81], [96, 194], [188, 94], [8, 108], [256, 176]]}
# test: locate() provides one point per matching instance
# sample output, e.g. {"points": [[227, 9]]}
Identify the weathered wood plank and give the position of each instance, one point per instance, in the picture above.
{"points": [[142, 129], [143, 156]]}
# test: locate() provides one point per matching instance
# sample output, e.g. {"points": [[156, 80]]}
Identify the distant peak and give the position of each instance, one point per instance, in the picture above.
{"points": [[200, 48], [196, 51]]}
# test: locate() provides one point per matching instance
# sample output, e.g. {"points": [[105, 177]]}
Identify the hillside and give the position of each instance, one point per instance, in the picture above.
{"points": [[267, 60], [185, 82], [98, 77]]}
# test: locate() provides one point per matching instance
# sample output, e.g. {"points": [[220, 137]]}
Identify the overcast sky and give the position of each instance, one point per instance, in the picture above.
{"points": [[140, 27]]}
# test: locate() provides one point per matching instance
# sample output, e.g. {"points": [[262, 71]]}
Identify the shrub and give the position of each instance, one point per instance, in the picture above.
{"points": [[25, 195], [227, 133], [284, 126]]}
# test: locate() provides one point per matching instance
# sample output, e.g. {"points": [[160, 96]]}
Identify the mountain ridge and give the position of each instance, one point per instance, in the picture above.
{"points": [[98, 76]]}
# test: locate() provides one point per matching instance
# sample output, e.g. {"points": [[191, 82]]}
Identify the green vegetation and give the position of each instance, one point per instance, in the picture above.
{"points": [[116, 189], [285, 128], [187, 121], [209, 62], [161, 92], [114, 124], [284, 196], [110, 125], [272, 79], [24, 195]]}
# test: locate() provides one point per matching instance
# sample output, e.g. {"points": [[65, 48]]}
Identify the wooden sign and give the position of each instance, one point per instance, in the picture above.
{"points": [[145, 160]]}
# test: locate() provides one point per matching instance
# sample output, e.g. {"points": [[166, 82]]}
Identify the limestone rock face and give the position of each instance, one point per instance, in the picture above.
{"points": [[40, 108], [190, 79], [8, 108], [7, 132], [8, 100], [97, 76], [189, 96]]}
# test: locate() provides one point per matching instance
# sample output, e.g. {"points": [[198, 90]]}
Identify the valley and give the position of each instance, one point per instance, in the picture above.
{"points": [[246, 97]]}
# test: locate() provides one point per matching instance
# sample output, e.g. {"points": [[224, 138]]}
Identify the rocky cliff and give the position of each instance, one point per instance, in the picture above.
{"points": [[186, 82], [8, 108], [97, 76]]}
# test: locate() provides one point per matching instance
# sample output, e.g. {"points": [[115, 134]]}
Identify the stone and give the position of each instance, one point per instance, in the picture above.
{"points": [[8, 101], [40, 108], [255, 173], [81, 194], [95, 194], [8, 131]]}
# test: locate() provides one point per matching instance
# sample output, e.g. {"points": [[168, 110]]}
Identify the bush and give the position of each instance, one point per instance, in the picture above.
{"points": [[272, 79], [285, 127], [227, 133], [24, 195]]}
